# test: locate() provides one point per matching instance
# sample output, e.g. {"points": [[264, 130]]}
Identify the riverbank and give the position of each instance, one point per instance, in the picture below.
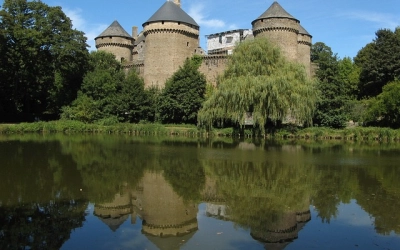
{"points": [[315, 133]]}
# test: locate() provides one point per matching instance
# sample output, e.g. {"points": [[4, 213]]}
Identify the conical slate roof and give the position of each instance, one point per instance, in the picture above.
{"points": [[114, 223], [275, 11], [303, 31], [115, 29], [171, 12]]}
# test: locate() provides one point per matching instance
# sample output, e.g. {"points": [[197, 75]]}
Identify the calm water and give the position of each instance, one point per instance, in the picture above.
{"points": [[121, 192]]}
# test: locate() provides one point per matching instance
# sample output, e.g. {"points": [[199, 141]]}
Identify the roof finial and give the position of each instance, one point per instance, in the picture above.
{"points": [[177, 2]]}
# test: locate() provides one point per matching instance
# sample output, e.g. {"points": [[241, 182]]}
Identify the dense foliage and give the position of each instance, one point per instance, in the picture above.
{"points": [[384, 110], [43, 59], [379, 62], [337, 81], [108, 96], [183, 94], [259, 80], [46, 72]]}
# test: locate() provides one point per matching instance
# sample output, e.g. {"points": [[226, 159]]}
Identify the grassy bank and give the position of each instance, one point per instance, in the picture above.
{"points": [[80, 127], [316, 133], [356, 134]]}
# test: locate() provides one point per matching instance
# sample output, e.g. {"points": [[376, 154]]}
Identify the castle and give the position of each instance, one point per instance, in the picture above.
{"points": [[168, 219], [170, 36]]}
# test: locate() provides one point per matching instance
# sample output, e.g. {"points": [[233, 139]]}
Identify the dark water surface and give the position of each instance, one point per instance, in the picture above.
{"points": [[121, 192]]}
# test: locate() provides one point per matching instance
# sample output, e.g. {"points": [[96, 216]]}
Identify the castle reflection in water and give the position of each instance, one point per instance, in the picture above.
{"points": [[167, 217]]}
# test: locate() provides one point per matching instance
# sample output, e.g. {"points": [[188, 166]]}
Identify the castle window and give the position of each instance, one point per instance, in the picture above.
{"points": [[220, 38], [229, 39], [162, 22], [187, 44], [179, 23]]}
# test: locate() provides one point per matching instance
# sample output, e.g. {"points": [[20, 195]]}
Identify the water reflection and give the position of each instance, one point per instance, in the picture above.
{"points": [[265, 188], [40, 200], [163, 212]]}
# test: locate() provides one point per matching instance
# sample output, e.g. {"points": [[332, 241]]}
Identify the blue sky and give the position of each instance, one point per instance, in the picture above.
{"points": [[344, 25]]}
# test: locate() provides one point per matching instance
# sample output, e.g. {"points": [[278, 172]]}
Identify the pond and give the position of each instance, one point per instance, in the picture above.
{"points": [[124, 192]]}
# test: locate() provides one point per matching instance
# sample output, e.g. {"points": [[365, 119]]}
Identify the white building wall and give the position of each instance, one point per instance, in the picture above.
{"points": [[226, 40]]}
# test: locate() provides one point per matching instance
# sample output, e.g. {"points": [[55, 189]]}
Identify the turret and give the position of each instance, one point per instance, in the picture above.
{"points": [[304, 49], [171, 36], [117, 41], [280, 28], [164, 212]]}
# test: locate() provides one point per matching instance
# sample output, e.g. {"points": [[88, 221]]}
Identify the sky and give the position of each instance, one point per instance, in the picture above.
{"points": [[344, 25]]}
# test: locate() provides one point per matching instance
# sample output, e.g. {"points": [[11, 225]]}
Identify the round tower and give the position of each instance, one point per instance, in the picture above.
{"points": [[164, 212], [304, 49], [280, 28], [116, 41], [280, 228], [171, 36], [115, 212]]}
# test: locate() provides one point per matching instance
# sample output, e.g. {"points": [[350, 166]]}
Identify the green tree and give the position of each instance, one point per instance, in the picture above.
{"points": [[43, 59], [134, 103], [384, 110], [97, 98], [107, 94], [337, 81], [183, 94], [259, 80], [379, 62]]}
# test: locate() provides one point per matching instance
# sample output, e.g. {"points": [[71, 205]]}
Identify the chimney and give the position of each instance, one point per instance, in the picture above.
{"points": [[177, 2], [134, 31]]}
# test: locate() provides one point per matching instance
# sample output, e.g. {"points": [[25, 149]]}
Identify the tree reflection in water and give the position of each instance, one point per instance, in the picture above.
{"points": [[46, 184], [40, 197]]}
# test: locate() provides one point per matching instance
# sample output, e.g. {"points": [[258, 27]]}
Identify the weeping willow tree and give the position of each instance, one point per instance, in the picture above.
{"points": [[260, 80]]}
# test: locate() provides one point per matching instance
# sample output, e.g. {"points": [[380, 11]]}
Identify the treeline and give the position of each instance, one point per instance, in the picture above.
{"points": [[108, 96], [46, 72], [42, 60], [365, 89]]}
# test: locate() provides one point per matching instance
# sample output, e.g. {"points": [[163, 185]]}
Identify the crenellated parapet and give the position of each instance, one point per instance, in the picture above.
{"points": [[171, 36], [304, 41], [170, 229], [269, 29], [280, 28], [171, 31], [114, 44], [117, 41], [213, 66]]}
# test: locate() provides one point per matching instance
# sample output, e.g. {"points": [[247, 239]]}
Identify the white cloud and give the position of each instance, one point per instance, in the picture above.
{"points": [[196, 11], [75, 15], [380, 19], [233, 27], [91, 30]]}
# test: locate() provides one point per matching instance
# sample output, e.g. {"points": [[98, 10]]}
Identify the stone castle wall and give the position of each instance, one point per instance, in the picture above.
{"points": [[213, 66], [163, 46], [119, 46], [138, 50], [304, 51], [168, 44], [164, 212], [280, 31]]}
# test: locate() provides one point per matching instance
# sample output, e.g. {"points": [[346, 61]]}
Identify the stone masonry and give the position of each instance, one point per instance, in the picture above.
{"points": [[171, 35]]}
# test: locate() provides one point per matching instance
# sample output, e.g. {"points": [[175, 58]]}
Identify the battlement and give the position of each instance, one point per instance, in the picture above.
{"points": [[170, 36]]}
